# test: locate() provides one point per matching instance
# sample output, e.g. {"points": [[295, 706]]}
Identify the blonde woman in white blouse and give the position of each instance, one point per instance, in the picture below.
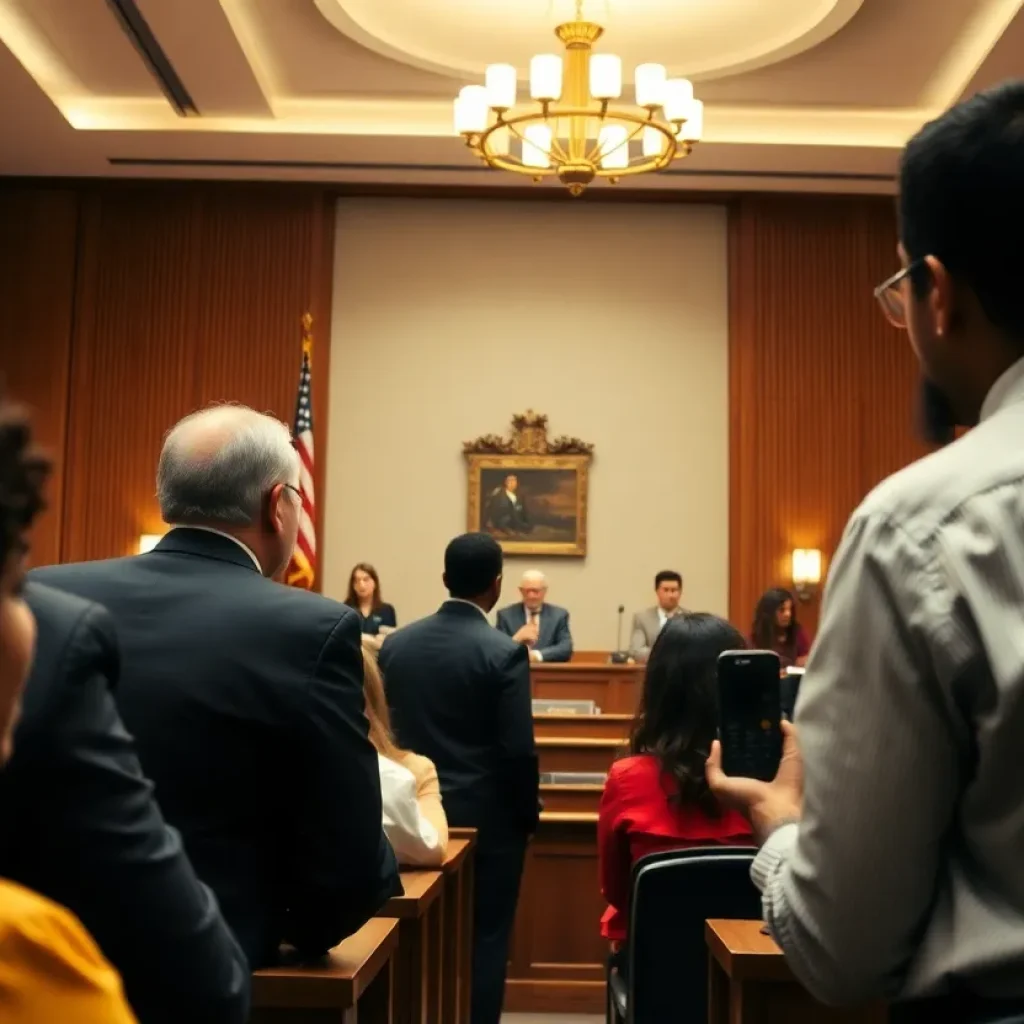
{"points": [[414, 820]]}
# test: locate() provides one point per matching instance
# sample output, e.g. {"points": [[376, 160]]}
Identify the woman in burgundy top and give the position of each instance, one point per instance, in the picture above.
{"points": [[657, 797], [776, 629]]}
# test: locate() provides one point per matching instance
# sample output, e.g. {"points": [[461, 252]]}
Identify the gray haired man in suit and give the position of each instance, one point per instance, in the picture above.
{"points": [[668, 586], [542, 628]]}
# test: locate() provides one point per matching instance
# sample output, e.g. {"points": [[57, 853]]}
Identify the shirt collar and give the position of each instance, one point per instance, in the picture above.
{"points": [[220, 533], [1009, 388], [462, 600]]}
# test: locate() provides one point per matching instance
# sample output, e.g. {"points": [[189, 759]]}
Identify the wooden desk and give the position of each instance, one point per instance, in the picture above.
{"points": [[420, 958], [583, 727], [564, 754], [615, 688], [457, 927], [749, 982], [354, 984]]}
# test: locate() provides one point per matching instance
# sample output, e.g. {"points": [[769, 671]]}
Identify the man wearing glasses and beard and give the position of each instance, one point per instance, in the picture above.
{"points": [[892, 837]]}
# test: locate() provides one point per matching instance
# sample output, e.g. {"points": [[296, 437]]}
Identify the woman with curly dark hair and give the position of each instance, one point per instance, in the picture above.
{"points": [[776, 629], [656, 798], [52, 969]]}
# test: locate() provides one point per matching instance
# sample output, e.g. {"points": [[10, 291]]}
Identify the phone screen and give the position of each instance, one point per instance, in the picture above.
{"points": [[749, 713]]}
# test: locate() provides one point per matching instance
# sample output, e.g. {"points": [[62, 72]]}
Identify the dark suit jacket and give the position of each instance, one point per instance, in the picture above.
{"points": [[81, 826], [555, 642], [459, 692], [246, 700]]}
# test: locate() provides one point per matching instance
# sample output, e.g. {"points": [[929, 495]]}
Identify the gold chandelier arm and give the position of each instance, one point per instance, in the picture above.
{"points": [[556, 153], [595, 156]]}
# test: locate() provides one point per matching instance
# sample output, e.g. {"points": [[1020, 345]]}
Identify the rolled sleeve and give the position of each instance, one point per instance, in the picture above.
{"points": [[846, 892]]}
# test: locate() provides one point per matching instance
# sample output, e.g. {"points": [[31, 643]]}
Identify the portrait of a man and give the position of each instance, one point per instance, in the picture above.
{"points": [[529, 493], [506, 509]]}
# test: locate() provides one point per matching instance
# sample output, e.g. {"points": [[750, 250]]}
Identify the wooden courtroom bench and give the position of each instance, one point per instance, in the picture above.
{"points": [[576, 754], [583, 727], [579, 797], [749, 982], [420, 958], [614, 688], [353, 984], [457, 926]]}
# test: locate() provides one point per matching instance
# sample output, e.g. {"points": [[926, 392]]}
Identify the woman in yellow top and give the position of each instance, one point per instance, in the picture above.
{"points": [[51, 971]]}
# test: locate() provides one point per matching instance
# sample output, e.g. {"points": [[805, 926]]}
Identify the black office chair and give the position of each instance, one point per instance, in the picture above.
{"points": [[672, 894]]}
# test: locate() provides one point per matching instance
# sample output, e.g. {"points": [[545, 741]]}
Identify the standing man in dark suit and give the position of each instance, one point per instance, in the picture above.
{"points": [[245, 697], [78, 820], [81, 825], [537, 625], [460, 694]]}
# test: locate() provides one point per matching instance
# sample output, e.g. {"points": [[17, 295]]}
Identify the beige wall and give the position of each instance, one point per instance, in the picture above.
{"points": [[450, 316]]}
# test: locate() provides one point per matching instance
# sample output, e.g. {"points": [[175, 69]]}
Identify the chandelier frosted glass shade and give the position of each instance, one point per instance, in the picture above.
{"points": [[576, 127]]}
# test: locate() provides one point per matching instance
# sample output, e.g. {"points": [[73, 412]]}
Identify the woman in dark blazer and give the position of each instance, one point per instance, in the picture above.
{"points": [[364, 597]]}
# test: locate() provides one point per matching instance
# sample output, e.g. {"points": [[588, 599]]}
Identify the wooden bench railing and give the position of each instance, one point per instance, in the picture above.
{"points": [[354, 984], [409, 965]]}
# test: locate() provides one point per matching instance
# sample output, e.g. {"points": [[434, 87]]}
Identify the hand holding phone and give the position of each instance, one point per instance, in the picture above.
{"points": [[749, 713]]}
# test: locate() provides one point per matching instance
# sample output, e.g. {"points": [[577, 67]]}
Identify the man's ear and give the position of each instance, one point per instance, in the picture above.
{"points": [[274, 518]]}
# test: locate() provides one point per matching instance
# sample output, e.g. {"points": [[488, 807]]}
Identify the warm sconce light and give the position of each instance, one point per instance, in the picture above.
{"points": [[806, 572], [148, 541]]}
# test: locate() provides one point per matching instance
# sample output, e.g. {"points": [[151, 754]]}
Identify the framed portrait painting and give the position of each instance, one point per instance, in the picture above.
{"points": [[530, 494]]}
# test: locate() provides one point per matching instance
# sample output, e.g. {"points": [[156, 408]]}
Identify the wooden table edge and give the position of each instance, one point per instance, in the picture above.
{"points": [[407, 907]]}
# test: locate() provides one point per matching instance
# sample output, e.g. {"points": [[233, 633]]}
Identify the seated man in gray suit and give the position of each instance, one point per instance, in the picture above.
{"points": [[668, 587], [540, 627]]}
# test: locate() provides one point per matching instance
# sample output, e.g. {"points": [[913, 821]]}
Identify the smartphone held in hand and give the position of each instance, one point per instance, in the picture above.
{"points": [[749, 713]]}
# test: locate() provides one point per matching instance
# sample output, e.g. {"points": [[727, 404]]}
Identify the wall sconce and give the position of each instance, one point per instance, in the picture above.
{"points": [[148, 541], [806, 572]]}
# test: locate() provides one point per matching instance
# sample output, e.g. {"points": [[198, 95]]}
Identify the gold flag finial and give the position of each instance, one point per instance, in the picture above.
{"points": [[307, 336]]}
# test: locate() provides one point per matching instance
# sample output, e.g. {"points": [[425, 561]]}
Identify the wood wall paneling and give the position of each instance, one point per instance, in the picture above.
{"points": [[186, 296], [38, 231], [821, 387]]}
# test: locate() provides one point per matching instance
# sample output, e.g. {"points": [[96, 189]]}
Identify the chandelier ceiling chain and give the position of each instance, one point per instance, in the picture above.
{"points": [[572, 130]]}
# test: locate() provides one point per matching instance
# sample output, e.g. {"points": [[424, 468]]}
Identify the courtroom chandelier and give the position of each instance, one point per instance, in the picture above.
{"points": [[573, 130]]}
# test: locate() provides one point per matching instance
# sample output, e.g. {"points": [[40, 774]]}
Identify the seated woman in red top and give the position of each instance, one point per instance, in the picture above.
{"points": [[776, 629], [657, 797]]}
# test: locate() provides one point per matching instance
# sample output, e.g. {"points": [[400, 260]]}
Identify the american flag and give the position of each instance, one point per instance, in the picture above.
{"points": [[302, 570]]}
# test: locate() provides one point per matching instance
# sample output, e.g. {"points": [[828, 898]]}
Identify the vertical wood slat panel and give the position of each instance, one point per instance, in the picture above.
{"points": [[821, 386], [38, 232], [187, 295]]}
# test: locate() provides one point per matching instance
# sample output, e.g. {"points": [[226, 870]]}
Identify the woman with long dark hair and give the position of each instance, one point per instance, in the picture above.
{"points": [[656, 797], [365, 597], [776, 629]]}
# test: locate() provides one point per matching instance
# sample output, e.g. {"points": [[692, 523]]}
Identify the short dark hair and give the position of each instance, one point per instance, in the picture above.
{"points": [[23, 472], [472, 562], [961, 200], [668, 576], [678, 712]]}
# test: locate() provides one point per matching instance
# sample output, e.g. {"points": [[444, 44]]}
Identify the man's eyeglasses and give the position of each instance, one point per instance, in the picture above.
{"points": [[292, 487], [890, 295]]}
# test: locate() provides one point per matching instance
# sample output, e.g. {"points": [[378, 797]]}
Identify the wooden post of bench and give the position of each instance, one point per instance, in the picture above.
{"points": [[458, 925], [419, 961], [353, 984]]}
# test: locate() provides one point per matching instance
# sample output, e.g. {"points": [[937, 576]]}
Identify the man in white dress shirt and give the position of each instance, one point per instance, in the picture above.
{"points": [[892, 854]]}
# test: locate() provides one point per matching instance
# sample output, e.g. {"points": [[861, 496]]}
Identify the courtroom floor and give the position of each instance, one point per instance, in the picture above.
{"points": [[550, 1018]]}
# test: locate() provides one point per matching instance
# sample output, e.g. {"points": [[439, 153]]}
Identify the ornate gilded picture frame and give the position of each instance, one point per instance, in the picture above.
{"points": [[530, 493]]}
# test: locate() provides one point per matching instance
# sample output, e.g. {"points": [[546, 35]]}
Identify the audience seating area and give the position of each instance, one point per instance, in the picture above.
{"points": [[409, 965]]}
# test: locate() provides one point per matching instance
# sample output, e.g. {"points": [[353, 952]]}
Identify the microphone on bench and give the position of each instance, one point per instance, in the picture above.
{"points": [[619, 656]]}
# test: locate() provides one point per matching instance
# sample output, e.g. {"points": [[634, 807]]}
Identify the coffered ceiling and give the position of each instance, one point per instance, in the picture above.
{"points": [[799, 94]]}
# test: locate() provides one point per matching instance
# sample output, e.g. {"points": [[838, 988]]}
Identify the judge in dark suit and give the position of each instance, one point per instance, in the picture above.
{"points": [[506, 510], [459, 692], [245, 696], [541, 627]]}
